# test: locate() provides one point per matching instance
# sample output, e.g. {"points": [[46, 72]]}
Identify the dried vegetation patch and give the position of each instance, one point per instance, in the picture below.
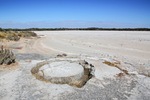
{"points": [[16, 35], [117, 64], [6, 56], [7, 59]]}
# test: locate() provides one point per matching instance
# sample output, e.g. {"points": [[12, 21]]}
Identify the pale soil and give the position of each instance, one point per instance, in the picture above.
{"points": [[135, 44], [131, 49]]}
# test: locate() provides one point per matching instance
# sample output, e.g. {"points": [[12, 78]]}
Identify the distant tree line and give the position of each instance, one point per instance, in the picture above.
{"points": [[90, 28]]}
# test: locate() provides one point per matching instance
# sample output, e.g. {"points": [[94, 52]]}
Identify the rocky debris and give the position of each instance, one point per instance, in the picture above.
{"points": [[84, 63], [120, 75], [6, 56], [62, 55], [88, 68]]}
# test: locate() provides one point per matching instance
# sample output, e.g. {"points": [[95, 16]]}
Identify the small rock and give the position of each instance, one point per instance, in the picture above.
{"points": [[40, 73]]}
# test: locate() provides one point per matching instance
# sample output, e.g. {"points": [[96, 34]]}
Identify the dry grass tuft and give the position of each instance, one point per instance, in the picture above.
{"points": [[16, 35], [6, 56]]}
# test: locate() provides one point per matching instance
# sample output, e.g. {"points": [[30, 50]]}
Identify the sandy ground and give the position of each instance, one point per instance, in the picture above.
{"points": [[130, 48], [134, 44]]}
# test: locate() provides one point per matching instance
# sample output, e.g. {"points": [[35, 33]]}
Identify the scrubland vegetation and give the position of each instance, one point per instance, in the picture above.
{"points": [[15, 35], [6, 56], [88, 29]]}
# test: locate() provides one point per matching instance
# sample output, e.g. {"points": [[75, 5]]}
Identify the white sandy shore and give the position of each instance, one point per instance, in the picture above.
{"points": [[116, 43]]}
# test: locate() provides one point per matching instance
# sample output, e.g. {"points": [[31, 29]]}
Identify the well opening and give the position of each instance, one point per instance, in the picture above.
{"points": [[74, 73]]}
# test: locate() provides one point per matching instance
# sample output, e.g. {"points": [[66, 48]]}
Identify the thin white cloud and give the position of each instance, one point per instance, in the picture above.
{"points": [[71, 24]]}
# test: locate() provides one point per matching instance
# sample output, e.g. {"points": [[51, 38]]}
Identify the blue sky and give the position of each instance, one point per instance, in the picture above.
{"points": [[74, 13]]}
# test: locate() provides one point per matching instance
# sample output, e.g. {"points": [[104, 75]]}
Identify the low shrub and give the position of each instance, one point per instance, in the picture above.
{"points": [[16, 35], [6, 56]]}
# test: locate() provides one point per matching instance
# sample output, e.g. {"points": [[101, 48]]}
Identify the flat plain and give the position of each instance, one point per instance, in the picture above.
{"points": [[121, 60]]}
